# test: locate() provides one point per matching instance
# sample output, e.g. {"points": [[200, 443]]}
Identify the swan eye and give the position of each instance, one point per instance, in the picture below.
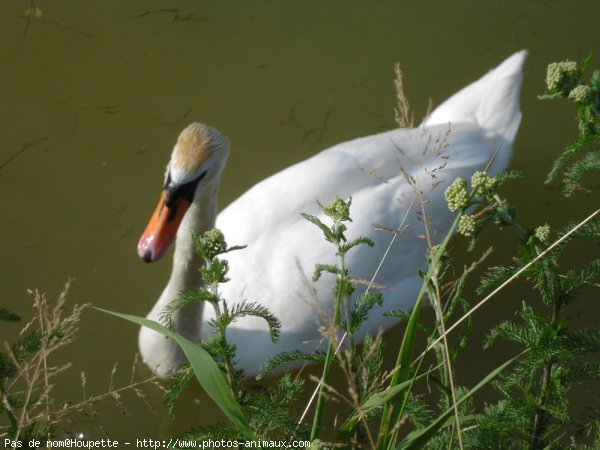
{"points": [[186, 191]]}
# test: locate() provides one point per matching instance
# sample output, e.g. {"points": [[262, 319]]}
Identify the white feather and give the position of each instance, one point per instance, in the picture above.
{"points": [[460, 137]]}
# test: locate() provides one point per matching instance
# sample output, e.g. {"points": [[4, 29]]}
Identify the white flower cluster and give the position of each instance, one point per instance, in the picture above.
{"points": [[467, 225], [215, 242], [543, 233], [457, 195], [559, 72], [581, 93], [482, 183]]}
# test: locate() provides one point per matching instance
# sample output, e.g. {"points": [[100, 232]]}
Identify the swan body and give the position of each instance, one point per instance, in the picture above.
{"points": [[388, 176]]}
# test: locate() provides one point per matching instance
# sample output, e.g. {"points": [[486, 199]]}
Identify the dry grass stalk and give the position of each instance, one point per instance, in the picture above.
{"points": [[32, 373], [404, 117]]}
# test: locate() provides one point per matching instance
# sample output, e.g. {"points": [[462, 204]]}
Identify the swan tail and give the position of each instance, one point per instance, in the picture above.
{"points": [[492, 101]]}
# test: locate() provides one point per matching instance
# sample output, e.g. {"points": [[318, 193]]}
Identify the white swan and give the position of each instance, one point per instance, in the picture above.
{"points": [[457, 139]]}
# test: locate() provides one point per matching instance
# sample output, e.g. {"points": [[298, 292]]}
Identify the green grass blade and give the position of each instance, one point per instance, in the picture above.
{"points": [[405, 356], [406, 352], [207, 372], [377, 401], [419, 438]]}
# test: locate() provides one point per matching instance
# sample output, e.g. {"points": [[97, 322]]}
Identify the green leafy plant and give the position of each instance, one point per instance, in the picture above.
{"points": [[445, 293], [376, 396], [347, 317], [259, 416], [533, 409], [387, 410], [565, 80], [253, 415]]}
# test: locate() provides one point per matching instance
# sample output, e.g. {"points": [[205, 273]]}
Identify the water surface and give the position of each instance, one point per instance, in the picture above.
{"points": [[94, 94]]}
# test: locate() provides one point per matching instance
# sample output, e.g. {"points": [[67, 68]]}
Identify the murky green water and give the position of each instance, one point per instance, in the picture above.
{"points": [[94, 94]]}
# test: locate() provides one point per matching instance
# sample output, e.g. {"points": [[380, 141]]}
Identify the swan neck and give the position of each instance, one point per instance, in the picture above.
{"points": [[185, 275], [200, 217]]}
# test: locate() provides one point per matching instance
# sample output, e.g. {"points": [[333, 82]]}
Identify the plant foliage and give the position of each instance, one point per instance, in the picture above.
{"points": [[389, 410], [565, 80]]}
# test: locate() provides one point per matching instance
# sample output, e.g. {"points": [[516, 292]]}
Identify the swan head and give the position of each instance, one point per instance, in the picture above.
{"points": [[197, 162]]}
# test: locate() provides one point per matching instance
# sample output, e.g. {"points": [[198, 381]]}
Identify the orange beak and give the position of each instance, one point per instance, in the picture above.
{"points": [[161, 229]]}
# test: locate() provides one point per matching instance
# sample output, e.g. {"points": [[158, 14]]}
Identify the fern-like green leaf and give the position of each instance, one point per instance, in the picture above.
{"points": [[362, 307], [570, 151], [215, 272], [27, 345], [175, 387], [576, 171], [494, 276], [582, 341], [320, 268], [271, 411], [419, 412], [575, 280], [369, 373], [202, 434], [589, 231], [508, 175], [185, 298], [344, 248], [246, 308], [404, 315], [419, 438], [584, 371], [329, 236], [284, 358]]}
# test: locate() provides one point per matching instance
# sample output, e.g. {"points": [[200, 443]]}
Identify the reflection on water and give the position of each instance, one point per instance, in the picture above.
{"points": [[95, 93]]}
